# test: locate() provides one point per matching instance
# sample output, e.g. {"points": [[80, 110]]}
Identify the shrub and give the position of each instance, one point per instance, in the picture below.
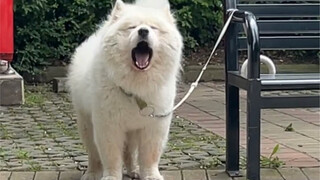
{"points": [[198, 20], [49, 30]]}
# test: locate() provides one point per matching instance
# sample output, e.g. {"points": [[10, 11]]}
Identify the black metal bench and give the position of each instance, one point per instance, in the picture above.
{"points": [[289, 26]]}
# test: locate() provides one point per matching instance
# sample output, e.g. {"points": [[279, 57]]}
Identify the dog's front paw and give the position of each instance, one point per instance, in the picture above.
{"points": [[109, 178], [91, 176], [153, 177], [133, 175]]}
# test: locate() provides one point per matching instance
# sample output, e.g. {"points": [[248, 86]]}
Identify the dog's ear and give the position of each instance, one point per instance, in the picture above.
{"points": [[168, 13], [117, 9]]}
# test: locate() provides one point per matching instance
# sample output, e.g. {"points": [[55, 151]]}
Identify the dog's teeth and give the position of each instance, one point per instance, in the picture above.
{"points": [[142, 65]]}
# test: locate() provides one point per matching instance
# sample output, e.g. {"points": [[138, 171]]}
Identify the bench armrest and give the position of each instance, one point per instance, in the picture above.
{"points": [[248, 20]]}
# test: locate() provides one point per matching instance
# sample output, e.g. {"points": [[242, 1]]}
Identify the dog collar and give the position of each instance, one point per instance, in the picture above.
{"points": [[144, 109], [140, 102]]}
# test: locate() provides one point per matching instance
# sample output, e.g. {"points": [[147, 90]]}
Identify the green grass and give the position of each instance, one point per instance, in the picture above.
{"points": [[34, 98], [272, 161], [3, 153], [34, 166], [4, 133], [21, 154], [289, 128]]}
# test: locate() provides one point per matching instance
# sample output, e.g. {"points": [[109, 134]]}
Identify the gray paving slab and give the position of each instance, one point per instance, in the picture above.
{"points": [[46, 175], [292, 174], [5, 175], [171, 175], [194, 174], [22, 175], [70, 175], [267, 174], [217, 175], [312, 173]]}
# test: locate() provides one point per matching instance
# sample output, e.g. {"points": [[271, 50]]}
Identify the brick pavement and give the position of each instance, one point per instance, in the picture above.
{"points": [[299, 148], [42, 135], [266, 174]]}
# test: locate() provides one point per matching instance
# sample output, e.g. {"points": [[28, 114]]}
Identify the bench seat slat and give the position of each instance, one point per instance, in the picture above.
{"points": [[282, 10], [284, 42], [290, 102], [296, 81]]}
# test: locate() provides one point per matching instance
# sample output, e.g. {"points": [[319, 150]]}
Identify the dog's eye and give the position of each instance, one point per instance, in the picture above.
{"points": [[154, 27], [132, 27]]}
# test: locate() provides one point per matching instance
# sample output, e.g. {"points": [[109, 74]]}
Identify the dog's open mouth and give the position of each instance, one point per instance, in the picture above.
{"points": [[141, 55]]}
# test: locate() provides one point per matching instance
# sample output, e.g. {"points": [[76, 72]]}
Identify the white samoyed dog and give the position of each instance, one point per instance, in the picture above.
{"points": [[133, 60]]}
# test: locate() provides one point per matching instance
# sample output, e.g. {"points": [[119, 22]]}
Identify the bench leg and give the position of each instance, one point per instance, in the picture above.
{"points": [[232, 130], [253, 131]]}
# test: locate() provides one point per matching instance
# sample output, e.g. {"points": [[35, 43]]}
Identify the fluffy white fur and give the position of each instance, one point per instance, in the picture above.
{"points": [[111, 128]]}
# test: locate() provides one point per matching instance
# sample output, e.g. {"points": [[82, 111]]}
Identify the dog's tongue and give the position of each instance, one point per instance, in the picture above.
{"points": [[142, 60]]}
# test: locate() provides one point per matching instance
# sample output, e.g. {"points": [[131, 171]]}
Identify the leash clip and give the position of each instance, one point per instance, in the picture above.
{"points": [[147, 111]]}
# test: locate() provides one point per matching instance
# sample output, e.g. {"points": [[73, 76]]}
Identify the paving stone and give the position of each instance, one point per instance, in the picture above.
{"points": [[194, 174], [85, 164], [14, 164], [292, 174], [22, 176], [168, 168], [181, 158], [70, 175], [312, 173], [174, 154], [23, 167], [208, 147], [4, 175], [199, 157], [222, 158], [171, 175], [189, 164], [216, 152], [46, 175], [193, 152], [217, 175], [267, 174]]}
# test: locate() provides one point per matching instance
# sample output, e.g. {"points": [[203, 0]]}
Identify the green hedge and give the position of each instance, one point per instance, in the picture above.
{"points": [[49, 30]]}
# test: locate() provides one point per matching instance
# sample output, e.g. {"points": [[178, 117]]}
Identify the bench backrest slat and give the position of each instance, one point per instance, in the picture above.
{"points": [[284, 24], [289, 26], [282, 10], [279, 1]]}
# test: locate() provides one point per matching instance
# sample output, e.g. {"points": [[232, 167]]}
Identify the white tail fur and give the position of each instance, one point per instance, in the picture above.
{"points": [[153, 3]]}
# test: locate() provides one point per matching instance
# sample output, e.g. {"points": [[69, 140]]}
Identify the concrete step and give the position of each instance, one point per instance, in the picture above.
{"points": [[11, 89]]}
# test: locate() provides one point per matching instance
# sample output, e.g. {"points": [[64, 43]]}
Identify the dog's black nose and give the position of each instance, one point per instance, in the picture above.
{"points": [[143, 32]]}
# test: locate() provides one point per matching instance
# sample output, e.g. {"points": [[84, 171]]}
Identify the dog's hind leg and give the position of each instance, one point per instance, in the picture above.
{"points": [[94, 171], [130, 155]]}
